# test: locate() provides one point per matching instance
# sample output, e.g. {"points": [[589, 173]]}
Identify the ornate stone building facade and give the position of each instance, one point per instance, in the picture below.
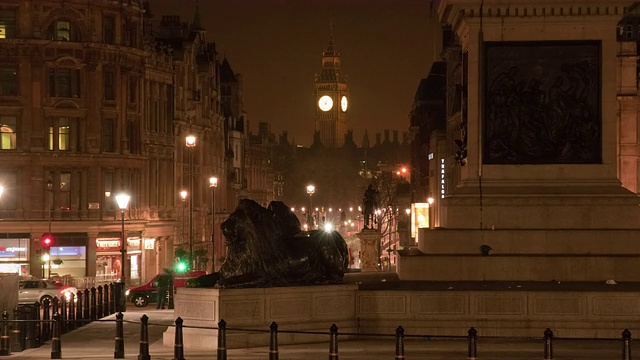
{"points": [[95, 99]]}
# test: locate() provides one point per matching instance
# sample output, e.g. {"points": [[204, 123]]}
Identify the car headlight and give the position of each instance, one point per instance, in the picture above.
{"points": [[126, 293], [67, 295]]}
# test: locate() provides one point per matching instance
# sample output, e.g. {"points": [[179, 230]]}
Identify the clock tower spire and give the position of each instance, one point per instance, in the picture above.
{"points": [[332, 98]]}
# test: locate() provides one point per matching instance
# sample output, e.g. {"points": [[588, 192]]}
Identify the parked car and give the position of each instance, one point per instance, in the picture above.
{"points": [[142, 295], [30, 291]]}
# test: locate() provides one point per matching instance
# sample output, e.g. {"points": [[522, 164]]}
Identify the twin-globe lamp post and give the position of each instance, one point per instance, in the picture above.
{"points": [[190, 142], [310, 190], [123, 201], [213, 184]]}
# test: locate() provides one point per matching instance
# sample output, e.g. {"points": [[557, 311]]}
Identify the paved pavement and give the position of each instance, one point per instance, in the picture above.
{"points": [[96, 341]]}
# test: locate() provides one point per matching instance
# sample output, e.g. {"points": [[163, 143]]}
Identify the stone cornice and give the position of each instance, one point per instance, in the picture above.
{"points": [[454, 11]]}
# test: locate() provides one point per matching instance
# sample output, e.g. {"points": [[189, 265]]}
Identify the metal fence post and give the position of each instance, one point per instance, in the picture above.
{"points": [[30, 338], [105, 307], [472, 336], [144, 338], [178, 346], [85, 312], [79, 310], [99, 310], [17, 332], [626, 344], [94, 304], [72, 312], [46, 329], [5, 349], [548, 344], [38, 325], [399, 343], [112, 301], [222, 340], [118, 353], [56, 344], [333, 342], [55, 309], [273, 341], [63, 313]]}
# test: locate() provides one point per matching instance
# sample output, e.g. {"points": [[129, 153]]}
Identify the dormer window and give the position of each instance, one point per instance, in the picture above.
{"points": [[62, 30]]}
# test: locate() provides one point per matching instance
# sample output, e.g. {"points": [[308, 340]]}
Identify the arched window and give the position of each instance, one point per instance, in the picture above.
{"points": [[63, 30]]}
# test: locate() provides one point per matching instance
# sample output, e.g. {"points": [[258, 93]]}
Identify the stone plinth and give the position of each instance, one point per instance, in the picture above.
{"points": [[369, 257], [309, 308], [8, 292]]}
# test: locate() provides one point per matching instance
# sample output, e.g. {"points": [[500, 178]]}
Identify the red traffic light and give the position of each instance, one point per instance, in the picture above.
{"points": [[47, 241]]}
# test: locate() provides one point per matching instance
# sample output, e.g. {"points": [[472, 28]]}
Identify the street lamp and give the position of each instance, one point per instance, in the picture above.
{"points": [[213, 184], [190, 142], [123, 200], [49, 195], [310, 190], [430, 201]]}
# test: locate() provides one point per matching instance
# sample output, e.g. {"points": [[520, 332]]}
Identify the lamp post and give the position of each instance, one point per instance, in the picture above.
{"points": [[183, 196], [49, 195], [213, 184], [123, 200], [310, 190], [190, 142]]}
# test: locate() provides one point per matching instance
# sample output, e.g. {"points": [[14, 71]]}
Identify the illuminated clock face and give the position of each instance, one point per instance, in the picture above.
{"points": [[325, 103], [344, 103]]}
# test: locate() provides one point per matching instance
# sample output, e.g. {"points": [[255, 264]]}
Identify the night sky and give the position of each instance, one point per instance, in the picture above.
{"points": [[386, 46]]}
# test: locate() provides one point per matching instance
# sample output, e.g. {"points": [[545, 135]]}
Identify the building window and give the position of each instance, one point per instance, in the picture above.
{"points": [[65, 191], [109, 85], [629, 31], [109, 135], [131, 35], [60, 134], [7, 24], [133, 90], [109, 29], [62, 30], [133, 135], [8, 132], [8, 81], [8, 199], [64, 83]]}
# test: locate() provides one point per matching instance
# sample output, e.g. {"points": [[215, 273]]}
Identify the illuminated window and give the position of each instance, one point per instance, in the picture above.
{"points": [[8, 132], [8, 81], [60, 134], [62, 30], [64, 83], [7, 24]]}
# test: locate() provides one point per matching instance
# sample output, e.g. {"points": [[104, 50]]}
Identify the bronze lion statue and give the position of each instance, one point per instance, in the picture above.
{"points": [[266, 248]]}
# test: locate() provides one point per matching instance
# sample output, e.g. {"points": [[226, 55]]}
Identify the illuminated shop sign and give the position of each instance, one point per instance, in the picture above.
{"points": [[149, 244], [14, 249], [108, 243]]}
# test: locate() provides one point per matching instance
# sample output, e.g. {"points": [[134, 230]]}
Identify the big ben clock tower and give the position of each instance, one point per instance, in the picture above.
{"points": [[332, 99]]}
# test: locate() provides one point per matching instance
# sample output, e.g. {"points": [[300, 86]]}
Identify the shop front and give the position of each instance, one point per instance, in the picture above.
{"points": [[67, 256], [109, 258], [14, 253]]}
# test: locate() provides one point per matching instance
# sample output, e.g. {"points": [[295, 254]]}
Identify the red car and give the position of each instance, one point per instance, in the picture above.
{"points": [[142, 295]]}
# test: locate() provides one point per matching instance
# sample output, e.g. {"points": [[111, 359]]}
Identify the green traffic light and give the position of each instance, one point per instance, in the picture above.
{"points": [[181, 266]]}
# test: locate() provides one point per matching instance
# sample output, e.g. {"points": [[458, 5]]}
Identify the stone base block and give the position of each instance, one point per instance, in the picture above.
{"points": [[304, 308]]}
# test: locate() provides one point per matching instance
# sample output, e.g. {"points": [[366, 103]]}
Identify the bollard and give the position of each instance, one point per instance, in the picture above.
{"points": [[333, 342], [548, 344], [94, 305], [626, 344], [79, 308], [99, 305], [38, 324], [55, 309], [56, 345], [5, 349], [30, 338], [17, 332], [105, 306], [273, 341], [178, 346], [85, 312], [63, 314], [222, 340], [46, 330], [399, 343], [144, 338], [473, 349], [119, 350], [72, 312]]}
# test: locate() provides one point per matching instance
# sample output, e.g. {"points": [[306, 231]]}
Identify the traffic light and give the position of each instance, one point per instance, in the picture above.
{"points": [[181, 266], [47, 241]]}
